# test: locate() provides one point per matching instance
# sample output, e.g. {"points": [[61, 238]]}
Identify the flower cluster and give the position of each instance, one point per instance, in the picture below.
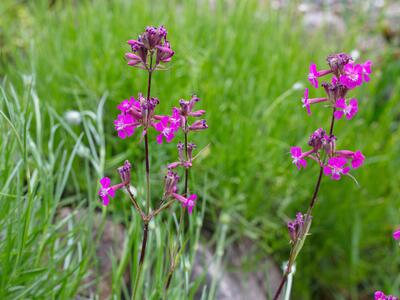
{"points": [[152, 40], [379, 295], [135, 113], [339, 162], [346, 75]]}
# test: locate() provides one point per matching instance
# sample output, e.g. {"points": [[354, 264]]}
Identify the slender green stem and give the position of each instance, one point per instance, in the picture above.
{"points": [[141, 260], [309, 213], [181, 218], [146, 139], [145, 217]]}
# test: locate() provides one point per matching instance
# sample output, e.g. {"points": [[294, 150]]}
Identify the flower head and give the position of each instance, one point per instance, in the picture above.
{"points": [[106, 190], [152, 39], [297, 156], [125, 125], [336, 167], [188, 202], [366, 70], [348, 110], [128, 105], [175, 118], [357, 158], [167, 131], [352, 75]]}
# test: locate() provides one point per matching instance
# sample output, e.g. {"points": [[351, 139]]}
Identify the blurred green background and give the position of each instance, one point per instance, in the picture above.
{"points": [[248, 61]]}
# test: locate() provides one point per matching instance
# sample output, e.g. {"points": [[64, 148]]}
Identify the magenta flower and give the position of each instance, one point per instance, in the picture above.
{"points": [[396, 234], [152, 39], [349, 110], [297, 156], [305, 101], [106, 191], [313, 75], [175, 119], [366, 70], [189, 202], [357, 158], [353, 75], [379, 295], [128, 105], [125, 125], [166, 130], [336, 167]]}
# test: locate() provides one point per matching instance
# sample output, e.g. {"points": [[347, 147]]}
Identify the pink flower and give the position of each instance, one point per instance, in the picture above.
{"points": [[128, 105], [175, 119], [343, 109], [357, 158], [189, 202], [396, 234], [305, 101], [379, 295], [297, 156], [313, 75], [166, 130], [106, 191], [353, 75], [366, 70], [125, 125], [336, 168]]}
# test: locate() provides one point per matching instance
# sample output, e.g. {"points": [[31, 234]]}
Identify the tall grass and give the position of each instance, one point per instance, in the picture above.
{"points": [[243, 61]]}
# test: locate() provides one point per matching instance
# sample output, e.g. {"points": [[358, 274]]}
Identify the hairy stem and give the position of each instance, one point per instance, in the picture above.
{"points": [[309, 213]]}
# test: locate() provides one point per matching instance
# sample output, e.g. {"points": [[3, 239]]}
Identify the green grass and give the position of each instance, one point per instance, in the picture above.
{"points": [[242, 60]]}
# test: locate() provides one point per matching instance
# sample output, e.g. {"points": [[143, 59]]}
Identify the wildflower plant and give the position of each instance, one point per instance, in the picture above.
{"points": [[150, 52], [322, 144]]}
